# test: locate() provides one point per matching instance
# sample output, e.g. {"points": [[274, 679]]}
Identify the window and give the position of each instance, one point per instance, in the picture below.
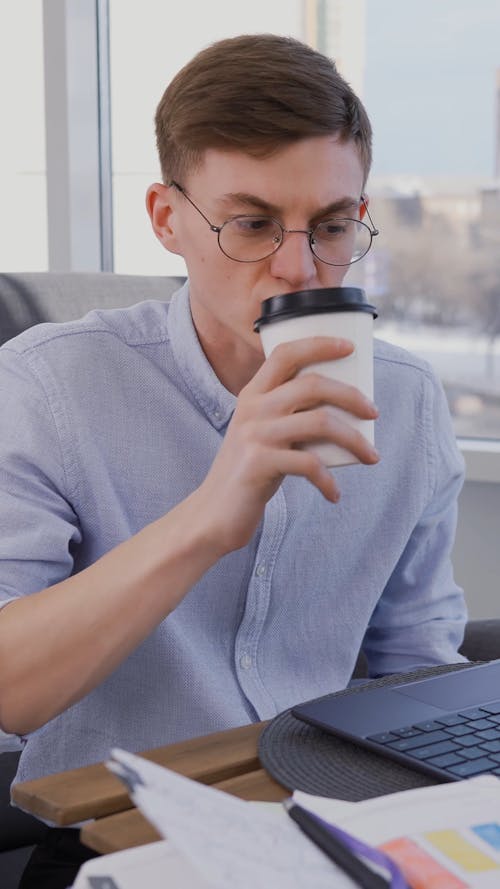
{"points": [[149, 42], [23, 208], [432, 89]]}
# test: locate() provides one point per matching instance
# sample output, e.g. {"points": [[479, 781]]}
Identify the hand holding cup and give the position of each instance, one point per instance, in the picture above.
{"points": [[331, 311]]}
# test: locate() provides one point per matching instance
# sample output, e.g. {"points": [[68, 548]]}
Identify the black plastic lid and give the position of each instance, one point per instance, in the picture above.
{"points": [[309, 302]]}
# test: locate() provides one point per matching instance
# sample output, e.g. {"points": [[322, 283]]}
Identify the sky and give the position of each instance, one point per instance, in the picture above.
{"points": [[430, 85]]}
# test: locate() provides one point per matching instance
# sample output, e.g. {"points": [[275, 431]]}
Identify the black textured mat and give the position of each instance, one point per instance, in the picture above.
{"points": [[302, 757]]}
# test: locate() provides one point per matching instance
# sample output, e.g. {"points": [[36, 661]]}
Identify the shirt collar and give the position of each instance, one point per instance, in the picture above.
{"points": [[216, 402]]}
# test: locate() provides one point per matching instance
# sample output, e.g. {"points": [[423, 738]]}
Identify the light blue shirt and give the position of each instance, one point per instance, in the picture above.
{"points": [[109, 422]]}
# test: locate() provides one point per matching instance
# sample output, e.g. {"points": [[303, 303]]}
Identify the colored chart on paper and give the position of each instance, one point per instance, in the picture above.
{"points": [[459, 850], [420, 869], [489, 833], [424, 871]]}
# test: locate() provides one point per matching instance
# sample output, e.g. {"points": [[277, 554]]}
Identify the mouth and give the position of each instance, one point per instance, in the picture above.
{"points": [[286, 291]]}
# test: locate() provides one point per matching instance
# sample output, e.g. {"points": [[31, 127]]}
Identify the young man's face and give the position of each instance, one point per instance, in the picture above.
{"points": [[299, 185]]}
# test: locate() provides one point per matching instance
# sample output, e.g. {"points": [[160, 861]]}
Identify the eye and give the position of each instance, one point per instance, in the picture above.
{"points": [[332, 228], [253, 225]]}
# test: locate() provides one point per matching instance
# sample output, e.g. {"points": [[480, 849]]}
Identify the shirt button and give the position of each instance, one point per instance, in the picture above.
{"points": [[245, 661], [217, 415], [260, 569]]}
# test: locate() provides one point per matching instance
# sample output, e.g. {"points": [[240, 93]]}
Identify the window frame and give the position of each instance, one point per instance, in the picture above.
{"points": [[78, 135]]}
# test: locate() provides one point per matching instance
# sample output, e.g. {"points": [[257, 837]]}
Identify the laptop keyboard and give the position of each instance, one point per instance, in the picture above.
{"points": [[460, 744]]}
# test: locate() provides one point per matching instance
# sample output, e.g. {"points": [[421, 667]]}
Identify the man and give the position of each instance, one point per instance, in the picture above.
{"points": [[173, 563]]}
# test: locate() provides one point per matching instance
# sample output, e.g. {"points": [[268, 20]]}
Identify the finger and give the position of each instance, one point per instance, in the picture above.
{"points": [[309, 466], [287, 359], [323, 424], [310, 390]]}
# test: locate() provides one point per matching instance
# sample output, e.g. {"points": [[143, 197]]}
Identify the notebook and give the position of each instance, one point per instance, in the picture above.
{"points": [[447, 726]]}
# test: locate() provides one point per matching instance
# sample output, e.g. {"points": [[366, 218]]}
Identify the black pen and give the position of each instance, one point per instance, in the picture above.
{"points": [[334, 848]]}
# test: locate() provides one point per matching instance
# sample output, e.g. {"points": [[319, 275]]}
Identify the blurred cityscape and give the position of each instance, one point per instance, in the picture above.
{"points": [[434, 274]]}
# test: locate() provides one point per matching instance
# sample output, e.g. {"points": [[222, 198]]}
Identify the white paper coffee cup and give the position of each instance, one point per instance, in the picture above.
{"points": [[330, 311]]}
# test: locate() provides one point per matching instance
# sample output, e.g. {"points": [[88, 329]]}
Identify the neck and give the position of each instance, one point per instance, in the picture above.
{"points": [[235, 364], [234, 359]]}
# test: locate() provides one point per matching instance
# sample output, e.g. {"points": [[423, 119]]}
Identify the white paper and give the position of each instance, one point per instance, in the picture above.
{"points": [[460, 808], [154, 866], [230, 842], [9, 743]]}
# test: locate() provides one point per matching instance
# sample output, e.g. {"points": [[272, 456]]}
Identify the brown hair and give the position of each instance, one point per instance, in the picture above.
{"points": [[255, 93]]}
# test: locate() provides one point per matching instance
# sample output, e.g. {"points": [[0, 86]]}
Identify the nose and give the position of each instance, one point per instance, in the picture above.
{"points": [[294, 260]]}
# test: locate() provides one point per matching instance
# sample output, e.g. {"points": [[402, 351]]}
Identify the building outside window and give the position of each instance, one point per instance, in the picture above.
{"points": [[432, 86]]}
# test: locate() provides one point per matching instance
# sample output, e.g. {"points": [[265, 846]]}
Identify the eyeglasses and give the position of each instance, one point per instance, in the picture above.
{"points": [[336, 241]]}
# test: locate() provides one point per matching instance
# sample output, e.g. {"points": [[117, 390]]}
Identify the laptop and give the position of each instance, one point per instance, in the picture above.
{"points": [[447, 726]]}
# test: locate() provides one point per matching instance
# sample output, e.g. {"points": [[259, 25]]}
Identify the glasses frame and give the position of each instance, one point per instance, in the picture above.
{"points": [[217, 229]]}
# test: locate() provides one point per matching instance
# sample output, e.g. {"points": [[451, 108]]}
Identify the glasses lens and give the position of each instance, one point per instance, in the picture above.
{"points": [[341, 241], [250, 238]]}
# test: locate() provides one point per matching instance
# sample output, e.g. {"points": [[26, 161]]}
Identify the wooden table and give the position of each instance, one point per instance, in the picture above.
{"points": [[227, 760]]}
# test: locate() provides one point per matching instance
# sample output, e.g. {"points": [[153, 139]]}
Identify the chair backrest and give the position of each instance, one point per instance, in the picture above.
{"points": [[28, 298]]}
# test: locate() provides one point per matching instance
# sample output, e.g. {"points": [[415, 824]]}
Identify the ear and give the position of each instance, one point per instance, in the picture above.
{"points": [[365, 200], [161, 210]]}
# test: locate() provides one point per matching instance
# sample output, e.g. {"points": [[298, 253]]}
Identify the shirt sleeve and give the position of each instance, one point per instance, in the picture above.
{"points": [[421, 615], [38, 524]]}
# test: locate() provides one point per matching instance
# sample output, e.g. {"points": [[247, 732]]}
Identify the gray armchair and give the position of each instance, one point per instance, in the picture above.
{"points": [[481, 643], [30, 298], [482, 640]]}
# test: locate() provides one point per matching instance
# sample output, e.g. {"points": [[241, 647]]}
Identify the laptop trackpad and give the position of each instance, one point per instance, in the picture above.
{"points": [[457, 691]]}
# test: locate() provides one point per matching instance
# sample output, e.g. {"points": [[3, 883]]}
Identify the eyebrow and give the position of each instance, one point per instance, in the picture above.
{"points": [[253, 202]]}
